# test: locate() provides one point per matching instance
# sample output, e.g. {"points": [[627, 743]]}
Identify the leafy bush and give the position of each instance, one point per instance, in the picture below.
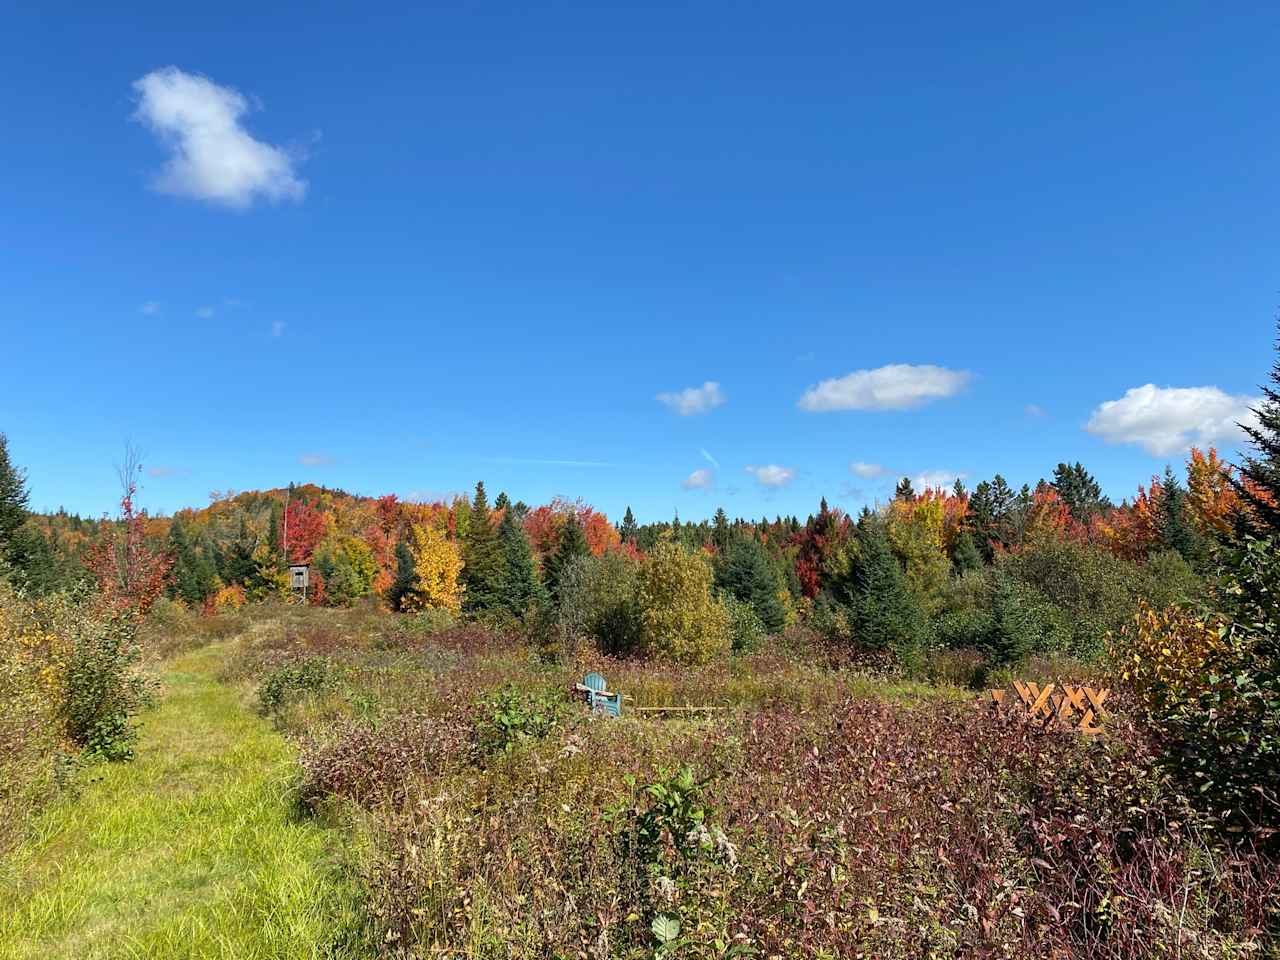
{"points": [[348, 567], [285, 684], [746, 628], [510, 716], [680, 619], [102, 689], [597, 599]]}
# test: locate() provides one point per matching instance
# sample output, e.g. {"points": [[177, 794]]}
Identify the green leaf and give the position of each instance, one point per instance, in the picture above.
{"points": [[665, 927]]}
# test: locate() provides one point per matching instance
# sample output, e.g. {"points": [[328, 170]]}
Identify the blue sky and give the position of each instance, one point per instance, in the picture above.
{"points": [[403, 251]]}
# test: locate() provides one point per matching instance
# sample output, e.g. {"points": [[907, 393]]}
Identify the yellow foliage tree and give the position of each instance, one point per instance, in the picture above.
{"points": [[917, 532], [1165, 654], [680, 619], [437, 565]]}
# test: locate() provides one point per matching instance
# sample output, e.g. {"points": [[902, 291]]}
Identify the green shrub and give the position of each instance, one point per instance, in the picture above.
{"points": [[102, 688], [746, 628], [1024, 622], [680, 619], [286, 684], [510, 716]]}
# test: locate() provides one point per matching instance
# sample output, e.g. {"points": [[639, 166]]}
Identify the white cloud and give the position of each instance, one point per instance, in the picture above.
{"points": [[1033, 410], [772, 475], [693, 400], [936, 480], [866, 470], [315, 460], [710, 459], [151, 308], [212, 157], [898, 386], [205, 313], [702, 479], [277, 328], [1168, 420]]}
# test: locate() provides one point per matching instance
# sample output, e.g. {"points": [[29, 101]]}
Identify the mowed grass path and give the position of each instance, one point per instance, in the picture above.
{"points": [[192, 850]]}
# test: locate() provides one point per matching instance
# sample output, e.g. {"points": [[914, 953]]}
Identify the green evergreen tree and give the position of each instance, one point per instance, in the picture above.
{"points": [[627, 529], [1259, 477], [33, 562], [965, 555], [1079, 491], [13, 499], [482, 571], [406, 578], [720, 530], [520, 584], [744, 571], [194, 573], [957, 489], [904, 490], [885, 613], [572, 544], [503, 502], [1176, 531]]}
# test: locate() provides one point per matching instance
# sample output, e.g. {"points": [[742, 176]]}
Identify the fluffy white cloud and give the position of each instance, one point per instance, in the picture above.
{"points": [[936, 480], [867, 471], [693, 400], [702, 479], [898, 386], [1168, 420], [212, 156], [772, 475]]}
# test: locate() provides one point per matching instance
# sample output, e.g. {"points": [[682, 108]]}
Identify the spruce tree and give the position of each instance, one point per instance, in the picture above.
{"points": [[1176, 532], [572, 544], [482, 571], [1079, 491], [904, 490], [13, 499], [194, 574], [744, 570], [627, 529], [720, 530], [965, 555], [1259, 480], [406, 578], [520, 584], [886, 614]]}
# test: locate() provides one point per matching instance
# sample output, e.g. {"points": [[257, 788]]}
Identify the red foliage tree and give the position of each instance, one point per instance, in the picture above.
{"points": [[304, 526], [131, 574]]}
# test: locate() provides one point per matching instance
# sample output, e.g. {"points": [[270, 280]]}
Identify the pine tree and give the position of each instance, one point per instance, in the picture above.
{"points": [[1259, 479], [720, 530], [1079, 491], [194, 574], [1176, 532], [503, 503], [957, 489], [406, 579], [745, 572], [965, 555], [520, 584], [627, 529], [482, 571], [886, 614], [572, 544], [904, 490], [13, 498]]}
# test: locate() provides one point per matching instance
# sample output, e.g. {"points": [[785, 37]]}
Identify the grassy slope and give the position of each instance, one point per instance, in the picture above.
{"points": [[189, 851]]}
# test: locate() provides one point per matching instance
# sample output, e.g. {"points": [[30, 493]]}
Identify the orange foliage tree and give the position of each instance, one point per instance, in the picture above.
{"points": [[130, 573]]}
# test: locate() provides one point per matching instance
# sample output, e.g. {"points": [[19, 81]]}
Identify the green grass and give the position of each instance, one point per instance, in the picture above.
{"points": [[191, 851]]}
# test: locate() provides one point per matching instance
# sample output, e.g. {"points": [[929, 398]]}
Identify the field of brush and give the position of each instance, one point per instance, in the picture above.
{"points": [[443, 793]]}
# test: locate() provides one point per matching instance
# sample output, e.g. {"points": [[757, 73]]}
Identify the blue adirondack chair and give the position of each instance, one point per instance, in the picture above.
{"points": [[598, 696]]}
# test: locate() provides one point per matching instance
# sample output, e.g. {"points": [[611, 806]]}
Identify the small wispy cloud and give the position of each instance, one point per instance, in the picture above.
{"points": [[936, 479], [277, 328], [701, 479], [315, 460], [694, 400], [710, 459], [206, 313], [151, 308], [867, 471], [161, 471], [212, 157], [772, 474], [897, 386], [1033, 410]]}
